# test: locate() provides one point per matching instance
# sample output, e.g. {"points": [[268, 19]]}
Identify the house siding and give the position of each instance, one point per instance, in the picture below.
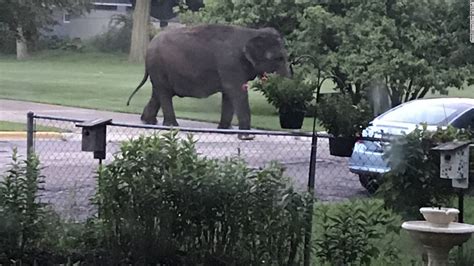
{"points": [[86, 26]]}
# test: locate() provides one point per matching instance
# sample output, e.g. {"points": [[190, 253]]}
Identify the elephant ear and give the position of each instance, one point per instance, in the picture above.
{"points": [[258, 48]]}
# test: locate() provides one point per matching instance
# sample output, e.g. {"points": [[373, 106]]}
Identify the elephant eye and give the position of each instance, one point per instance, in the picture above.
{"points": [[280, 58]]}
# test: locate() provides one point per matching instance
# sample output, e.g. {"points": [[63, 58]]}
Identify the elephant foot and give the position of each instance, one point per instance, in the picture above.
{"points": [[245, 136], [149, 120], [170, 123]]}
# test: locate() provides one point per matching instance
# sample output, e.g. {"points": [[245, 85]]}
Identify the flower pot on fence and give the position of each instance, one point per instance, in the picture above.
{"points": [[341, 146], [291, 119]]}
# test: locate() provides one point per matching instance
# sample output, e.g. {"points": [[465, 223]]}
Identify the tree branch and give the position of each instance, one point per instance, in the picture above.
{"points": [[407, 94], [423, 92]]}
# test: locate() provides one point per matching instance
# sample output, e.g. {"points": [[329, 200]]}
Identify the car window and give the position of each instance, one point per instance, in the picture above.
{"points": [[425, 112], [465, 121]]}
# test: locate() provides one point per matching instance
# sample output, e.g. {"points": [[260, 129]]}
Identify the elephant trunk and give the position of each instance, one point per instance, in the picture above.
{"points": [[285, 71]]}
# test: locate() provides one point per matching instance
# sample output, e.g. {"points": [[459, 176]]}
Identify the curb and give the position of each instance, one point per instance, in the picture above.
{"points": [[15, 135]]}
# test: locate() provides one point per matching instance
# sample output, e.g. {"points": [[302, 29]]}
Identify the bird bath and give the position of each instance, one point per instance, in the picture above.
{"points": [[439, 234]]}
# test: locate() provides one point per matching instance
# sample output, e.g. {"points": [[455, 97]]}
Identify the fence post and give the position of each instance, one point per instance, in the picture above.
{"points": [[311, 182], [30, 128]]}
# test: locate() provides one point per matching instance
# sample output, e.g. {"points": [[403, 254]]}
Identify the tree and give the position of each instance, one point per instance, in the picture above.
{"points": [[282, 15], [140, 37], [26, 18], [409, 46]]}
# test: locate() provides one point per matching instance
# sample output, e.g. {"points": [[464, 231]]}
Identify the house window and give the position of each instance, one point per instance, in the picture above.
{"points": [[66, 17]]}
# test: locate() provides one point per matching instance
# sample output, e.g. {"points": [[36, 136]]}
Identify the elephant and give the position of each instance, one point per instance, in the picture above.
{"points": [[202, 60]]}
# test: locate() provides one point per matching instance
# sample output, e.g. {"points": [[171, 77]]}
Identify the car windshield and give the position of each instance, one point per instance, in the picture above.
{"points": [[425, 112]]}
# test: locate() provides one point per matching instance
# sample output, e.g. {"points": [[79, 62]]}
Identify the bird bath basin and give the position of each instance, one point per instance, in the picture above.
{"points": [[439, 234], [439, 217]]}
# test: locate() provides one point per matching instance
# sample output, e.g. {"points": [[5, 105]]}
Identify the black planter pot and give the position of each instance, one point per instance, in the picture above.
{"points": [[341, 146], [291, 120]]}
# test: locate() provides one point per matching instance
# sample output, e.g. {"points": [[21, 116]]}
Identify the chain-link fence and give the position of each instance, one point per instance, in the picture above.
{"points": [[70, 174]]}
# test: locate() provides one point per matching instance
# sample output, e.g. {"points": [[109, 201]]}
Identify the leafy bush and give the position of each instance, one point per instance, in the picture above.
{"points": [[285, 94], [351, 233], [117, 38], [159, 202], [414, 179], [341, 117], [30, 232], [60, 43], [21, 216], [8, 40]]}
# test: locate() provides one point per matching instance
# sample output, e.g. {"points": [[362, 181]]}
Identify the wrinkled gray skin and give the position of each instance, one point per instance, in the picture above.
{"points": [[203, 60]]}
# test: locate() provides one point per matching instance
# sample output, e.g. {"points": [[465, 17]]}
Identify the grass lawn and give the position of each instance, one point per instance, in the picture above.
{"points": [[12, 126], [105, 81]]}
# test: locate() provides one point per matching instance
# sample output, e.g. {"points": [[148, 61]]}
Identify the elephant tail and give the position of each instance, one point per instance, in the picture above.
{"points": [[145, 77]]}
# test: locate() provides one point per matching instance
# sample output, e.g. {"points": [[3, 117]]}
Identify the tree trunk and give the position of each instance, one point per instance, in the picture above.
{"points": [[140, 37], [21, 45], [395, 97]]}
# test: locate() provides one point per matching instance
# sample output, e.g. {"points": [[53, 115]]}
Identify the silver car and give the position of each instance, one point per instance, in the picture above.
{"points": [[367, 158]]}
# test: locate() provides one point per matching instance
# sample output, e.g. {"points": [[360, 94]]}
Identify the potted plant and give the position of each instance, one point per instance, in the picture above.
{"points": [[290, 96], [343, 120]]}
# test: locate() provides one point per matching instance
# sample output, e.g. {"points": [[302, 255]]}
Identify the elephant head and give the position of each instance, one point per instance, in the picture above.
{"points": [[266, 53]]}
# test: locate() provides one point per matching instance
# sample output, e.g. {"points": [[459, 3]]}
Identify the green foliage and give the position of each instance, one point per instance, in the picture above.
{"points": [[21, 215], [7, 42], [118, 36], [54, 42], [413, 181], [351, 233], [281, 15], [161, 202], [341, 117], [411, 47], [285, 94], [30, 232]]}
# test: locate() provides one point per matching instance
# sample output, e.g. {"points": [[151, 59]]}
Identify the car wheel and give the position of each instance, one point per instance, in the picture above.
{"points": [[370, 182]]}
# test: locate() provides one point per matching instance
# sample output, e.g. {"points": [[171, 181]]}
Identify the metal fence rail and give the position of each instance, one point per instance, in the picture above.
{"points": [[70, 174]]}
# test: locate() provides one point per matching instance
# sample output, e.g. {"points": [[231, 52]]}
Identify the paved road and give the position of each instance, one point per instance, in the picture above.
{"points": [[70, 173], [15, 111]]}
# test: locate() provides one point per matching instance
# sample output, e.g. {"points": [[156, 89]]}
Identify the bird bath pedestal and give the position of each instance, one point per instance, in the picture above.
{"points": [[439, 234]]}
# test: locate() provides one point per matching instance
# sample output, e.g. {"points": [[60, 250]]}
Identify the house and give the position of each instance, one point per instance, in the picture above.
{"points": [[92, 23], [97, 20]]}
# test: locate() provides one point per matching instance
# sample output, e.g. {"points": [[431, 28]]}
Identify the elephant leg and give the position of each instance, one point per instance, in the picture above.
{"points": [[151, 109], [227, 112], [242, 108], [169, 117]]}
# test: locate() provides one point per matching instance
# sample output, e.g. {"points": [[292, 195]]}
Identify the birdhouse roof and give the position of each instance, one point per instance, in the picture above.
{"points": [[451, 146]]}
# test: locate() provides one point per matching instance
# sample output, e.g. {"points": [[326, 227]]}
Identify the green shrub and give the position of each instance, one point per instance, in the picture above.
{"points": [[341, 117], [160, 202], [60, 43], [117, 38], [285, 94], [30, 232], [21, 215], [413, 181], [7, 41], [355, 233]]}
